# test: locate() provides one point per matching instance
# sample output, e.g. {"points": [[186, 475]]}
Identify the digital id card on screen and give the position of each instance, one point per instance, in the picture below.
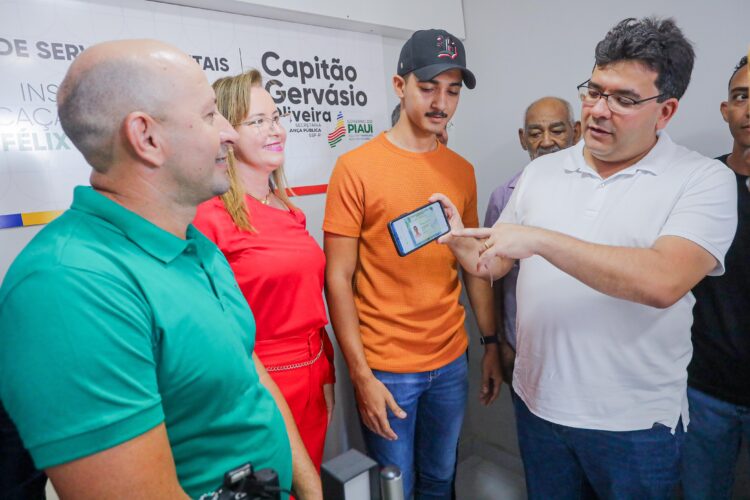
{"points": [[418, 228]]}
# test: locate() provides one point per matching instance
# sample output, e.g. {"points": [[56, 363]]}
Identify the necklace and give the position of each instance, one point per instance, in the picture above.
{"points": [[265, 200]]}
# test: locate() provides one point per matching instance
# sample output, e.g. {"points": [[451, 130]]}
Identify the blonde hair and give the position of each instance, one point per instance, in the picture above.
{"points": [[233, 101]]}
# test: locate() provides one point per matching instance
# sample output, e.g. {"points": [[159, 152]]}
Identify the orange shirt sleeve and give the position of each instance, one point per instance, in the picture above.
{"points": [[344, 202]]}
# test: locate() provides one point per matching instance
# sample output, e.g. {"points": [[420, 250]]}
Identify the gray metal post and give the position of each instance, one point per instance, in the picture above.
{"points": [[391, 483]]}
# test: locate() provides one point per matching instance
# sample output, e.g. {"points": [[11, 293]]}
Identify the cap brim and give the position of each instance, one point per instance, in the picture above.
{"points": [[430, 72]]}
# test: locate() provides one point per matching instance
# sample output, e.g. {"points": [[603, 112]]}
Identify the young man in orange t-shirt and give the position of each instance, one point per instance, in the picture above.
{"points": [[397, 319]]}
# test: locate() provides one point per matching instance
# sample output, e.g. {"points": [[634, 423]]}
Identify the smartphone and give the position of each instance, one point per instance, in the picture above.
{"points": [[417, 228]]}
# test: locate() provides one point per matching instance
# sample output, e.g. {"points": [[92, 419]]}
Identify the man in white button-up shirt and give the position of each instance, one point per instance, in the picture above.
{"points": [[612, 235]]}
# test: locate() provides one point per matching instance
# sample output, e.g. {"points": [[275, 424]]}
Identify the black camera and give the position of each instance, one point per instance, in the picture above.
{"points": [[245, 483]]}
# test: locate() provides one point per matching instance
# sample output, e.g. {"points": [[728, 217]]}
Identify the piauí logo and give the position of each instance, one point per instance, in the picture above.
{"points": [[338, 133]]}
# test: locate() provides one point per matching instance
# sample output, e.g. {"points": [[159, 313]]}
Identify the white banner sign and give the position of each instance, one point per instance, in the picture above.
{"points": [[330, 82]]}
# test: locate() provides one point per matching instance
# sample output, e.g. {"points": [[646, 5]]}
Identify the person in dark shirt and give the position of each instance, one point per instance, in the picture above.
{"points": [[719, 373], [19, 479]]}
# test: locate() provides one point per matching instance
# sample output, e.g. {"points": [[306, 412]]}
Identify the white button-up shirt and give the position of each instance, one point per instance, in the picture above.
{"points": [[588, 360]]}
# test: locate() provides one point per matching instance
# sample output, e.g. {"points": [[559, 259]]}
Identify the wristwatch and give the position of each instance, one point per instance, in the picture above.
{"points": [[489, 339]]}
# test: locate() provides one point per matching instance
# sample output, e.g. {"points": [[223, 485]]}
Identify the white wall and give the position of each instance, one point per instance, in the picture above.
{"points": [[394, 18]]}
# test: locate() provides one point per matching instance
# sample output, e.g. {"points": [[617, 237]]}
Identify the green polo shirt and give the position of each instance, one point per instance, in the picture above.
{"points": [[110, 325]]}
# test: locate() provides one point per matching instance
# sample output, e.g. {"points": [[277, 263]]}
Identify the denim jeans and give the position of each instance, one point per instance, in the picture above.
{"points": [[569, 463], [712, 445], [19, 479], [425, 450]]}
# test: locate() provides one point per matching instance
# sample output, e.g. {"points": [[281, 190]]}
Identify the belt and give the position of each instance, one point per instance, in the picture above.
{"points": [[280, 368]]}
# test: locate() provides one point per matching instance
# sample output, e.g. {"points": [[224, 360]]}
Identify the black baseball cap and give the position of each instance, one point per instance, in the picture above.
{"points": [[430, 52]]}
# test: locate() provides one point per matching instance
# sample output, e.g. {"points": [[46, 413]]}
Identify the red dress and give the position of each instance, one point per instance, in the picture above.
{"points": [[280, 270]]}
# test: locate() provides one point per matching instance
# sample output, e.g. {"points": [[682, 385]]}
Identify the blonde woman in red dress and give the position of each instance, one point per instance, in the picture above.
{"points": [[279, 267]]}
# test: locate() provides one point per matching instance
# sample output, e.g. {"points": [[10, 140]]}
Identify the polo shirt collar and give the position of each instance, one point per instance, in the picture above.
{"points": [[149, 237], [655, 162]]}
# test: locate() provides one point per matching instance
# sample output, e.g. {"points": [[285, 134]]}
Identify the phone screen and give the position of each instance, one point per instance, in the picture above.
{"points": [[419, 227]]}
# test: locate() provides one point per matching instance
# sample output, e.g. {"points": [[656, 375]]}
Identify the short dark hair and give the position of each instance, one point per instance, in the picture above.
{"points": [[743, 62], [657, 43]]}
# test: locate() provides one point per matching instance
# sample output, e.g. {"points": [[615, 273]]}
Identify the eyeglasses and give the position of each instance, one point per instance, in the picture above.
{"points": [[619, 103], [264, 123]]}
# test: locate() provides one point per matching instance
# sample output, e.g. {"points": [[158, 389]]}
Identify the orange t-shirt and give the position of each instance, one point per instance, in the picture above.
{"points": [[409, 311]]}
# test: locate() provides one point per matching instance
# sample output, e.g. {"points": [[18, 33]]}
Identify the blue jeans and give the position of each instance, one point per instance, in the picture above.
{"points": [[712, 445], [569, 463], [425, 450]]}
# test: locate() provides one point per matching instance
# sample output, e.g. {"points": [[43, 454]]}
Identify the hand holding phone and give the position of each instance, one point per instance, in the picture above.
{"points": [[451, 212], [413, 230]]}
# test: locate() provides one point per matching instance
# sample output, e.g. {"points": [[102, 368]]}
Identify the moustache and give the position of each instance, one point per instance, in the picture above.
{"points": [[546, 151]]}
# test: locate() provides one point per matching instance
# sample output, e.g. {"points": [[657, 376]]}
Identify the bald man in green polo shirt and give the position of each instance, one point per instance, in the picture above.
{"points": [[126, 348]]}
